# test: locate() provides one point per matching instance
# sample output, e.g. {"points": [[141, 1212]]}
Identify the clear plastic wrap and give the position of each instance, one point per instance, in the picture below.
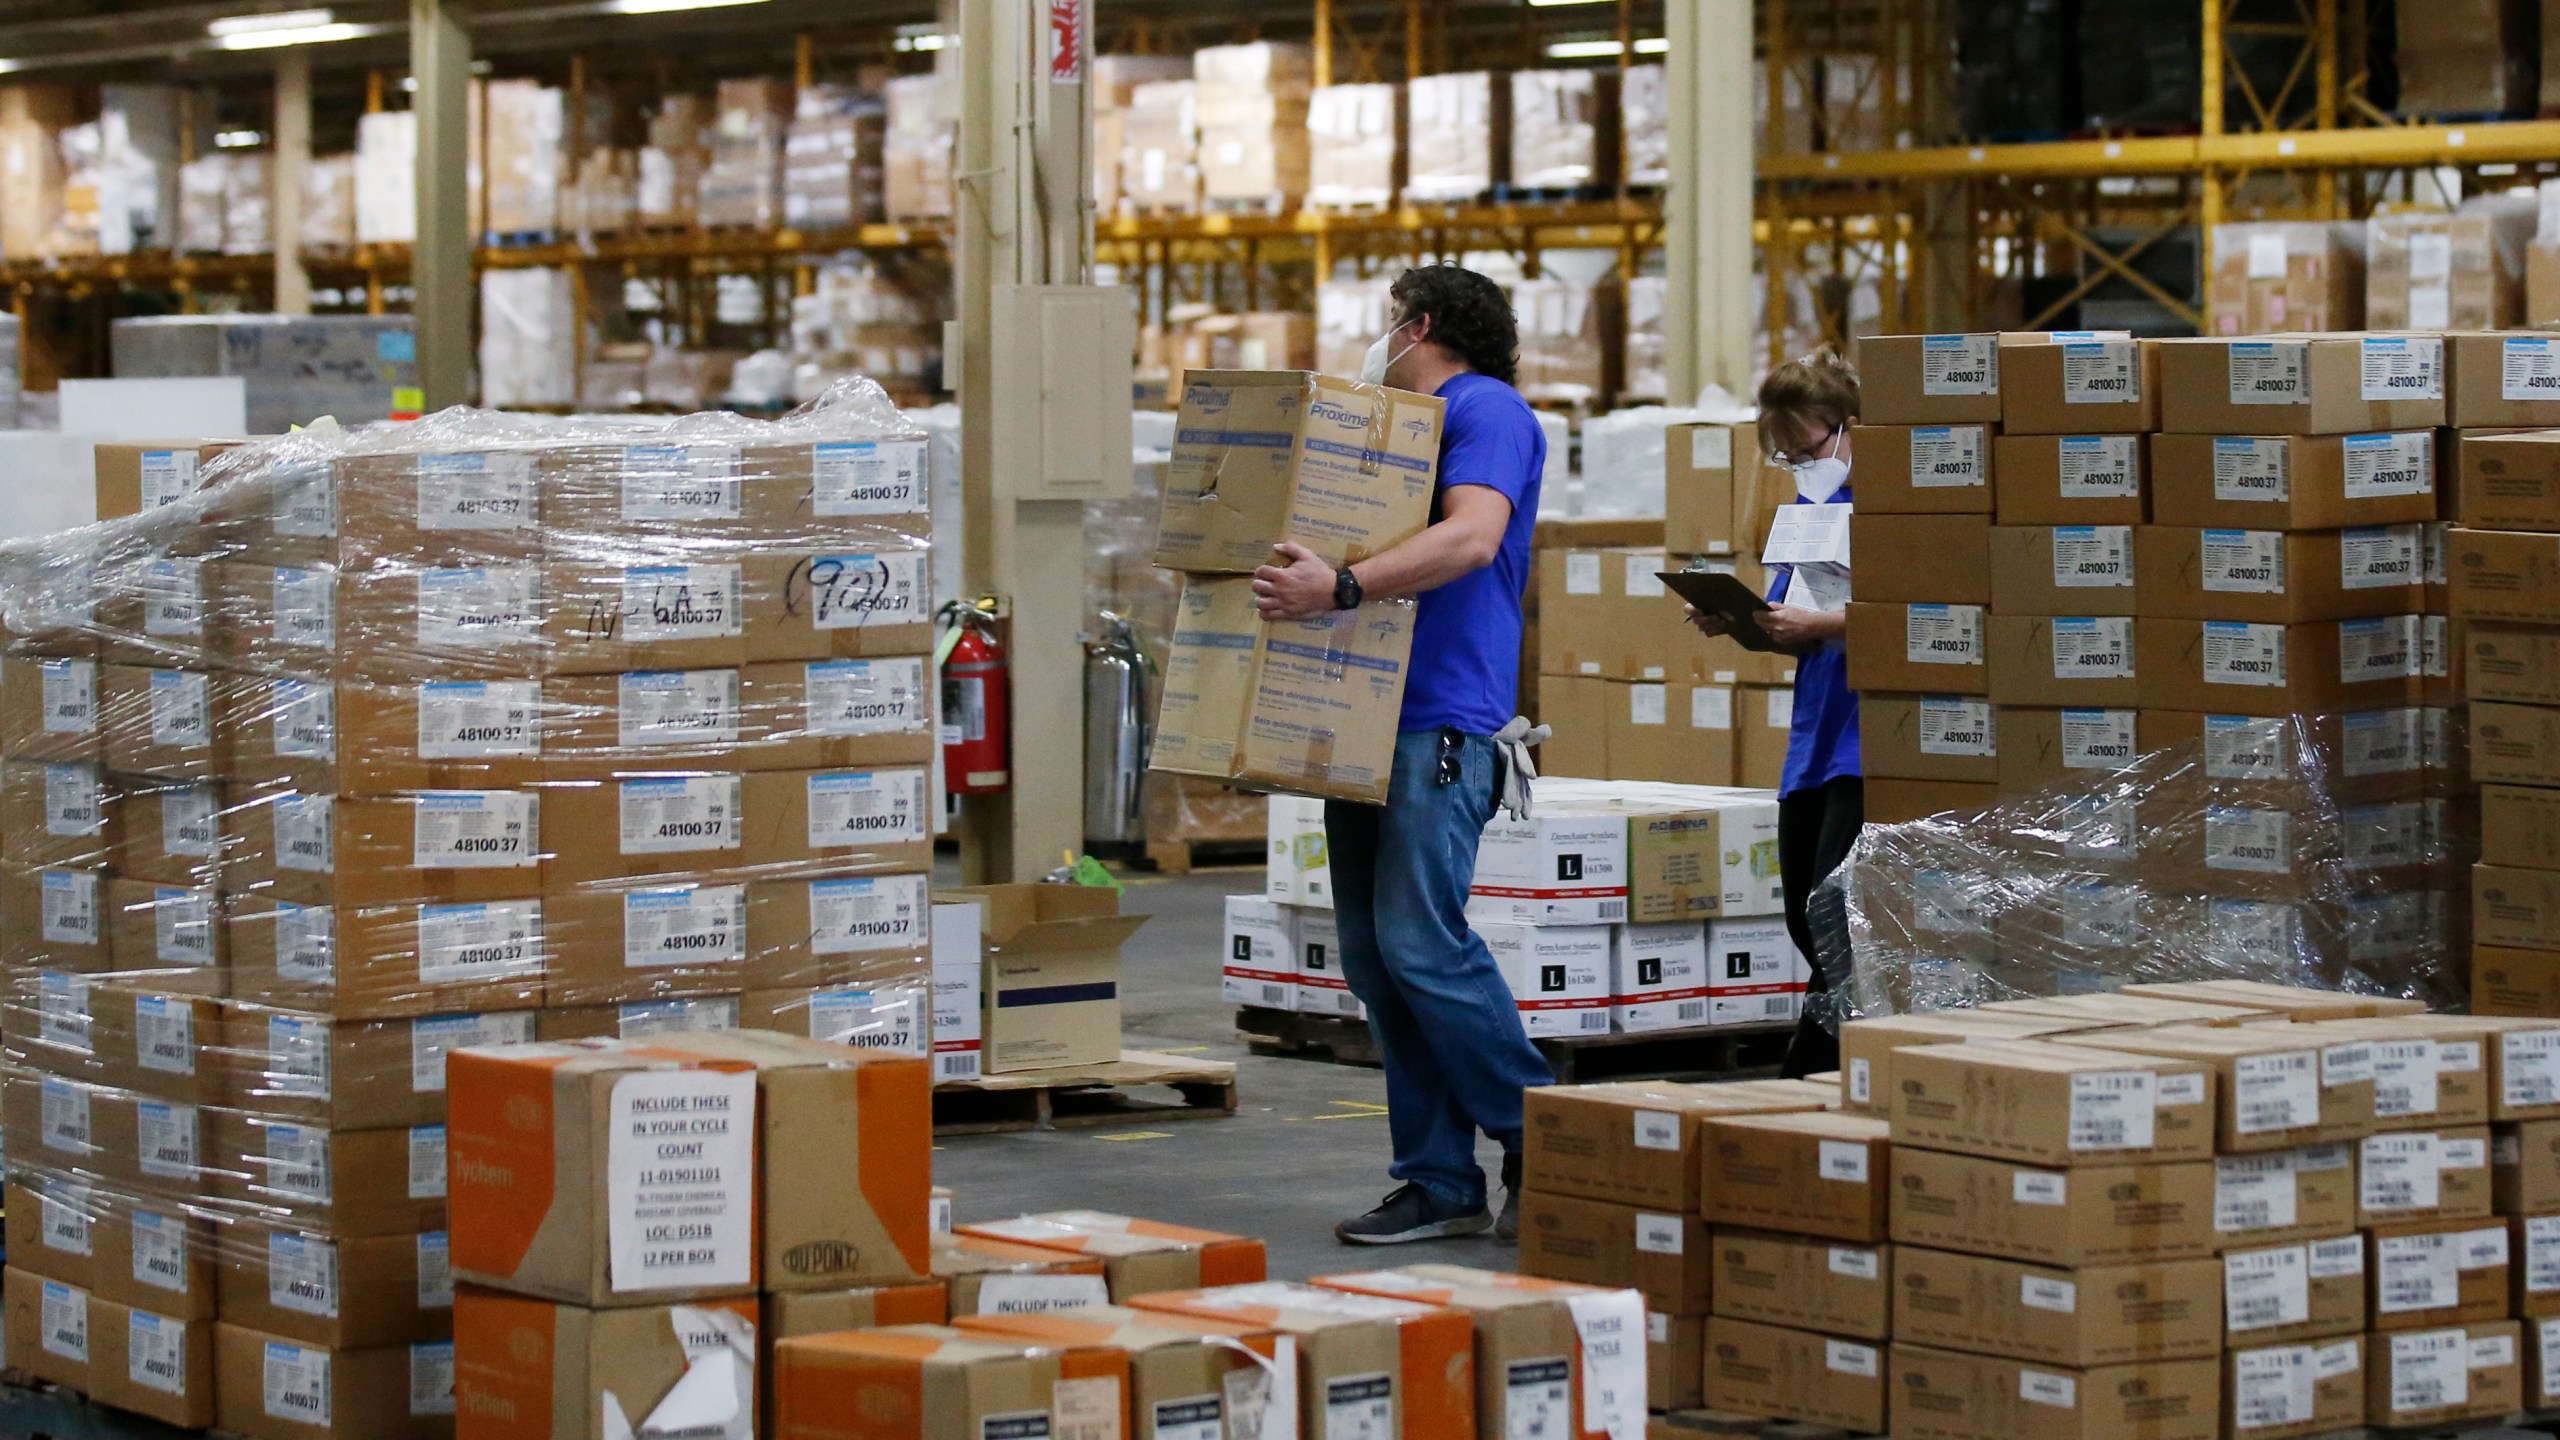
{"points": [[361, 746], [2327, 851], [1449, 137], [1555, 129], [1351, 137]]}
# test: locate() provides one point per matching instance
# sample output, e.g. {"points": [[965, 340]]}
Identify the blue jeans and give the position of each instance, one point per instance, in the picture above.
{"points": [[1447, 1026]]}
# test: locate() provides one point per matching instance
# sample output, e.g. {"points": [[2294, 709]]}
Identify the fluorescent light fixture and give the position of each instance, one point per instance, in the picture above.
{"points": [[1654, 45], [1542, 4], [920, 42], [661, 7], [8, 65], [1604, 49], [238, 139], [274, 20], [284, 27]]}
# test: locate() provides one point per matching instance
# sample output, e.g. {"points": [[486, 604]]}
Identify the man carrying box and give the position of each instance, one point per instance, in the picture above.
{"points": [[1447, 1027]]}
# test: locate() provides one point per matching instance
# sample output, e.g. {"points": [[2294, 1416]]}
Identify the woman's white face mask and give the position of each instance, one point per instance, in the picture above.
{"points": [[1373, 365], [1821, 477]]}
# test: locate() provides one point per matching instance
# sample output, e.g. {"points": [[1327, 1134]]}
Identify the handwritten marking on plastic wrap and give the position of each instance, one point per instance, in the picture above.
{"points": [[680, 1179], [850, 592]]}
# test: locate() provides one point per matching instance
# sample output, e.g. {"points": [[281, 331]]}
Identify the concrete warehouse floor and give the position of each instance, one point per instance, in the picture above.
{"points": [[1306, 1146]]}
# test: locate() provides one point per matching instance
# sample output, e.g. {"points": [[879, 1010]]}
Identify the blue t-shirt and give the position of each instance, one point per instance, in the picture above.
{"points": [[1466, 634], [1822, 741]]}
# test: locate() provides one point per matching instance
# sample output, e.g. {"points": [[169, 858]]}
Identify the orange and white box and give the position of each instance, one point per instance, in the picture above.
{"points": [[1138, 1255], [1363, 1362], [1548, 1353]]}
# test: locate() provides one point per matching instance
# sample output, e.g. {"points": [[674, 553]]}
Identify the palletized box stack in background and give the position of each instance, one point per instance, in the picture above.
{"points": [[2176, 608], [357, 749]]}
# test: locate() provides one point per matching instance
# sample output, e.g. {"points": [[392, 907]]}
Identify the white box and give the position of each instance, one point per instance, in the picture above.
{"points": [[1260, 964], [1322, 990], [1557, 868], [1300, 868], [959, 973], [1659, 976], [1753, 972], [1558, 974]]}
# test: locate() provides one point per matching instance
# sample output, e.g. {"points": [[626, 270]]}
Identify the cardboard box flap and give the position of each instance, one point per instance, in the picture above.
{"points": [[1055, 937]]}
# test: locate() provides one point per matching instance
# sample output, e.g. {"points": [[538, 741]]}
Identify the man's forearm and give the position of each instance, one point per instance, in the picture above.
{"points": [[1440, 554]]}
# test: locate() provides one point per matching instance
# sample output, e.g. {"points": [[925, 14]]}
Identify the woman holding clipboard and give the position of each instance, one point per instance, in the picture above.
{"points": [[1806, 408]]}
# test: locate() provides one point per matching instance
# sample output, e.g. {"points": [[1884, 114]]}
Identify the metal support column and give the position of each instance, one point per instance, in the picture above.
{"points": [[284, 178], [1706, 323], [2209, 181], [440, 264]]}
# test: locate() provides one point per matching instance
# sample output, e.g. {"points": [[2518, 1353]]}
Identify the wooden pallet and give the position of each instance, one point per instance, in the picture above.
{"points": [[1723, 1052], [1078, 1096]]}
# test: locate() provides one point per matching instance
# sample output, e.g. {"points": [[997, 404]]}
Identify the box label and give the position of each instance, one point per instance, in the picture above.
{"points": [[1959, 365], [2430, 1370], [2039, 1387], [2098, 467], [475, 492], [164, 1034], [297, 1163], [855, 807], [167, 1138], [2400, 1171], [305, 502], [1581, 573], [2264, 1288], [680, 602], [66, 1115], [471, 720], [2101, 372], [305, 714], [679, 814], [680, 482], [1039, 1294], [465, 944], [2380, 557], [678, 707], [852, 592], [2272, 1387], [302, 1274], [182, 924], [2257, 469], [173, 597], [187, 821], [2092, 557], [306, 943], [474, 830], [160, 1247], [2244, 562], [868, 477], [306, 837], [680, 1179], [69, 694], [1710, 707], [2112, 1110], [2098, 647], [848, 917], [2404, 1078], [2098, 916], [1942, 634], [63, 1313], [2270, 372], [2254, 1192], [684, 925], [2048, 1292], [62, 1011], [435, 1271], [1955, 725], [304, 608], [2097, 739], [2528, 369], [426, 1162], [73, 802], [2275, 1092], [2402, 463], [2385, 648], [865, 697], [2241, 747], [2529, 1068], [1648, 704], [296, 1383], [181, 709], [478, 608], [1947, 457], [168, 476], [2239, 654], [431, 1378], [2251, 839], [1851, 1358], [437, 1036], [1842, 1160], [69, 909], [156, 1352], [1658, 1234], [2415, 1272], [2038, 1187], [64, 1217], [2403, 367], [639, 1019]]}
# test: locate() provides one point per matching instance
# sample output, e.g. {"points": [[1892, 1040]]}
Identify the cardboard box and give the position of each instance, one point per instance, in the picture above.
{"points": [[984, 1276], [1803, 1283], [347, 1183], [1598, 853], [2524, 1167], [1607, 613], [729, 607], [1528, 1340], [49, 708], [2515, 907], [2436, 1272], [1815, 1173], [155, 1041], [979, 1381], [1260, 967], [1941, 469], [1868, 1046], [689, 938], [1173, 1370], [2494, 380], [2075, 386], [337, 1292], [173, 929], [54, 919], [1560, 975], [2430, 1071], [2305, 1291], [2233, 667], [148, 1254], [1794, 1375], [2062, 569], [2515, 744], [2062, 660], [2534, 1240], [387, 961], [1353, 1348], [2428, 1377], [2265, 1397], [2048, 1103], [2042, 746], [130, 1143], [1592, 1242], [821, 714], [1659, 976], [2511, 662], [2265, 481], [1754, 972], [1927, 379], [1052, 973], [713, 826], [1717, 484], [270, 1388], [2301, 385], [2277, 1088], [2405, 1176], [1905, 558], [1674, 1347], [1678, 733], [2092, 1315], [592, 1373], [353, 1074], [138, 1360], [2280, 578], [1764, 717], [1140, 1257], [2507, 482], [1342, 468], [2292, 1001], [1893, 802], [2508, 575], [540, 1215], [2070, 479], [1308, 706], [2284, 1195], [815, 1312], [1636, 1143], [137, 477], [1943, 1395], [1923, 648]]}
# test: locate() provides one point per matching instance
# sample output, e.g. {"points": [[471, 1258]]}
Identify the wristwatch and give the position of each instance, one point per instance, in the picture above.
{"points": [[1346, 589]]}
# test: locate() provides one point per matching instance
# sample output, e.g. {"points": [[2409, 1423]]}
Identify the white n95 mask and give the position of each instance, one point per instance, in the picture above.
{"points": [[1374, 363], [1819, 480]]}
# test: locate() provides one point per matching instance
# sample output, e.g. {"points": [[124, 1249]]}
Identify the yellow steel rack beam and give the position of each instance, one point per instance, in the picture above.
{"points": [[2376, 148]]}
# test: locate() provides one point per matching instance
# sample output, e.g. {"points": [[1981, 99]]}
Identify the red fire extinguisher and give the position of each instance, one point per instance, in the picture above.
{"points": [[977, 725]]}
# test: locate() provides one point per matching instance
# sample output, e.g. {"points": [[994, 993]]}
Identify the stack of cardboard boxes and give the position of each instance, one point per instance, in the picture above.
{"points": [[1252, 111]]}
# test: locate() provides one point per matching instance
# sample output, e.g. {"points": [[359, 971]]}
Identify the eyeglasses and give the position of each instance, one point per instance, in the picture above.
{"points": [[1450, 755]]}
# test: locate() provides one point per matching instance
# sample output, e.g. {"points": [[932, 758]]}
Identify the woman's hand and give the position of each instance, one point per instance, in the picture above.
{"points": [[1796, 628], [1708, 623]]}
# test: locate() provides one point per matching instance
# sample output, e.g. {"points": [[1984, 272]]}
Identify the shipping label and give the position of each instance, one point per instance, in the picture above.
{"points": [[487, 491], [2404, 1077], [463, 944], [2092, 647], [2403, 367], [684, 925], [2265, 1288], [1959, 365], [475, 830], [680, 482], [2252, 468], [678, 707], [869, 477], [677, 814], [2242, 654], [2270, 372], [2241, 562], [2399, 1171], [475, 720], [2112, 1110], [2430, 1370], [2099, 467], [479, 607], [873, 913], [2275, 1092], [2272, 1387], [1948, 457], [1955, 725], [2255, 1192]]}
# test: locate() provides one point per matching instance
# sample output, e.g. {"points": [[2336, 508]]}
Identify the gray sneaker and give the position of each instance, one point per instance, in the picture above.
{"points": [[1507, 1228], [1412, 1213]]}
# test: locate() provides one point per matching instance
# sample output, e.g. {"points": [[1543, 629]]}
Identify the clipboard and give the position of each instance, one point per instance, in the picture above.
{"points": [[1723, 595]]}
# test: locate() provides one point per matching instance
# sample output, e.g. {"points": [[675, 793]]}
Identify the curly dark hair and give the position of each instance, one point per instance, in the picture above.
{"points": [[1469, 314]]}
